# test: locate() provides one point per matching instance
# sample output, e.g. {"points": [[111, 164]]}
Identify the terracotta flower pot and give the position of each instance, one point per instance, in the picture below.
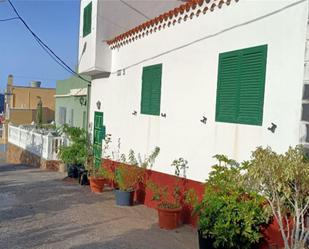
{"points": [[169, 218], [97, 184]]}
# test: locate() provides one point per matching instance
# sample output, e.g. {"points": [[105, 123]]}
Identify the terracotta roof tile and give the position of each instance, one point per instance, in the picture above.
{"points": [[156, 23]]}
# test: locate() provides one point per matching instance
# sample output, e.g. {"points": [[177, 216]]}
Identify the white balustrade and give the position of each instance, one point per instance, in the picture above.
{"points": [[45, 146]]}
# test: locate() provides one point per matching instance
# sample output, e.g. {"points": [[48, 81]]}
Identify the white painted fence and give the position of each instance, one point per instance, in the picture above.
{"points": [[46, 146]]}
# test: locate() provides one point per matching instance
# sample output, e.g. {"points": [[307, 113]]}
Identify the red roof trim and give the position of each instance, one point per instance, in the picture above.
{"points": [[191, 5]]}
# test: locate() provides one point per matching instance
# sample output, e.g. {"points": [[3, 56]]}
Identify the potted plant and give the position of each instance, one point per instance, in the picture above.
{"points": [[230, 215], [127, 178], [99, 176], [129, 174], [74, 155], [169, 207], [191, 203]]}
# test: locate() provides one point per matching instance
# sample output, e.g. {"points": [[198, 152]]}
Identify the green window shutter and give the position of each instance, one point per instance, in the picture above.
{"points": [[103, 132], [241, 83], [97, 138], [151, 90], [87, 19], [227, 90], [146, 93], [252, 84]]}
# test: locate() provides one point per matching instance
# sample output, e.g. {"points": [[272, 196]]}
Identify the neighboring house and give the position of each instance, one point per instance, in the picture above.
{"points": [[72, 102], [207, 77], [21, 102], [1, 103]]}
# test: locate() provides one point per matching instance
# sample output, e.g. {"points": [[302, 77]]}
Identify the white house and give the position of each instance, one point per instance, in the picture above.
{"points": [[198, 78]]}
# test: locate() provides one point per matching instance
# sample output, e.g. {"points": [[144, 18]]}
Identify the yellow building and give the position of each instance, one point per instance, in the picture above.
{"points": [[21, 102]]}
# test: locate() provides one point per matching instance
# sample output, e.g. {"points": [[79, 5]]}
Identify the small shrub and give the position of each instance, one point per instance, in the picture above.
{"points": [[160, 193], [230, 215], [284, 181], [132, 171], [78, 149]]}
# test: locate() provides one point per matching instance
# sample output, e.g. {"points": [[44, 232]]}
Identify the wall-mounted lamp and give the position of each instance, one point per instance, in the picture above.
{"points": [[163, 115], [272, 128], [134, 113], [204, 120], [98, 104], [83, 101]]}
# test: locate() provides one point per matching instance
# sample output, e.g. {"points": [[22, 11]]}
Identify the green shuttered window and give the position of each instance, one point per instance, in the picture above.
{"points": [[151, 90], [98, 135], [241, 83], [87, 19]]}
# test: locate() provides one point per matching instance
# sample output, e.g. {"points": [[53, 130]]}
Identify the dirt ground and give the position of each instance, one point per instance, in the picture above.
{"points": [[40, 210]]}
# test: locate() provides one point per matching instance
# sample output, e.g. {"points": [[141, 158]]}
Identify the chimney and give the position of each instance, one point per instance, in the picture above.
{"points": [[10, 80]]}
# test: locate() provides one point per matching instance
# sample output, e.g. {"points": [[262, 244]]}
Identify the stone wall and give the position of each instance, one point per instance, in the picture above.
{"points": [[18, 155]]}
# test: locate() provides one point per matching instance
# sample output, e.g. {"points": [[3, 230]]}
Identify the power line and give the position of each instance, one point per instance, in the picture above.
{"points": [[52, 56], [56, 58], [46, 48], [36, 37], [9, 19], [136, 10]]}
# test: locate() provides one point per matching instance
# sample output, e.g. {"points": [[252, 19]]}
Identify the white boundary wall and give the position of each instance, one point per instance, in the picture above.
{"points": [[45, 146], [189, 83]]}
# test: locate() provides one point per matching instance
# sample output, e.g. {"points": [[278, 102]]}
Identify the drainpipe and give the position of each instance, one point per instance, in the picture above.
{"points": [[88, 105]]}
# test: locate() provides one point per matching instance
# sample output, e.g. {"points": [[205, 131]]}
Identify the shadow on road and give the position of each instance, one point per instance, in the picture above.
{"points": [[40, 210]]}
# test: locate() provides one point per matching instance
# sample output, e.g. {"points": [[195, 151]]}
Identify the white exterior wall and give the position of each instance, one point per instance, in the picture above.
{"points": [[189, 83], [96, 58]]}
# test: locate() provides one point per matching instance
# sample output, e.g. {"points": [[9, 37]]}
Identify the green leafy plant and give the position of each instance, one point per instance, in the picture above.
{"points": [[127, 177], [78, 149], [229, 214], [191, 199], [106, 144], [284, 181], [148, 162], [131, 171], [180, 164], [100, 172], [160, 193], [145, 163], [39, 113]]}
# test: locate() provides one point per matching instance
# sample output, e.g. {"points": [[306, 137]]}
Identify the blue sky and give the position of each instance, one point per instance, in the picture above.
{"points": [[56, 22]]}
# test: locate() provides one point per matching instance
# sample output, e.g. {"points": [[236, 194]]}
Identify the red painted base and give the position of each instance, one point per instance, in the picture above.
{"points": [[144, 196]]}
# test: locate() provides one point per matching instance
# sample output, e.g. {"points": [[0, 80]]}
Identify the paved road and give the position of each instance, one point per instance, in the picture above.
{"points": [[40, 210]]}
